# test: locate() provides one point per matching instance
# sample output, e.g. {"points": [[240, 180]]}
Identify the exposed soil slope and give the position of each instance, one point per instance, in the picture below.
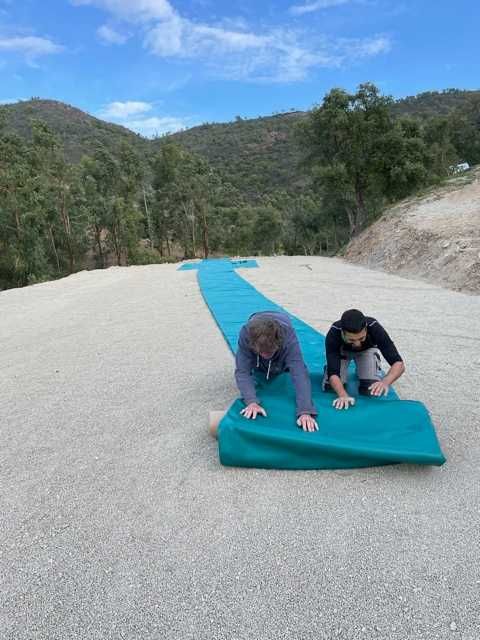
{"points": [[435, 237]]}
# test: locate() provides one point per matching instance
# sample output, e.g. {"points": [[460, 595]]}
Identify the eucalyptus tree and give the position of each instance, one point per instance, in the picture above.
{"points": [[187, 196], [112, 186], [58, 203], [344, 138]]}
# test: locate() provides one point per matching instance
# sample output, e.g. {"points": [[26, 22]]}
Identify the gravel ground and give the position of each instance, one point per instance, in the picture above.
{"points": [[117, 520]]}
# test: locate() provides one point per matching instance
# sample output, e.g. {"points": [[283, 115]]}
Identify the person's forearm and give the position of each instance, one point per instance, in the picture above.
{"points": [[396, 370], [337, 385], [303, 388], [246, 386], [243, 372]]}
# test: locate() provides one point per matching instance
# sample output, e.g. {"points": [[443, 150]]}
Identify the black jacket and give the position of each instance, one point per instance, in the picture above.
{"points": [[376, 337]]}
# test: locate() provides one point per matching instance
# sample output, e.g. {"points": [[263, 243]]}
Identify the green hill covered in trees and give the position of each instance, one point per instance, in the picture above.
{"points": [[435, 103], [78, 132], [258, 155]]}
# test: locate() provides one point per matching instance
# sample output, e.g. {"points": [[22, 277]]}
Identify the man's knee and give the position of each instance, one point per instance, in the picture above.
{"points": [[368, 365]]}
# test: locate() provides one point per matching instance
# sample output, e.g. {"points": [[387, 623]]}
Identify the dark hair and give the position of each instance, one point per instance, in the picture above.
{"points": [[353, 321], [264, 335]]}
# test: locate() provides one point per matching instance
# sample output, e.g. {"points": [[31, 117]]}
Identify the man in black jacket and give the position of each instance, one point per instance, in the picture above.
{"points": [[362, 339]]}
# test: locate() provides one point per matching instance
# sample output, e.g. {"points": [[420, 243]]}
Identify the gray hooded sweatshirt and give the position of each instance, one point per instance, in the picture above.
{"points": [[287, 358]]}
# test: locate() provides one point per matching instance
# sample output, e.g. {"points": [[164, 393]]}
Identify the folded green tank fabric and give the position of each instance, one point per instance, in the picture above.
{"points": [[372, 433], [377, 431]]}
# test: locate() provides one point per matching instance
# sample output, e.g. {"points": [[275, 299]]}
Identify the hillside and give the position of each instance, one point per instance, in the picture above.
{"points": [[435, 237], [78, 131], [435, 103], [258, 155]]}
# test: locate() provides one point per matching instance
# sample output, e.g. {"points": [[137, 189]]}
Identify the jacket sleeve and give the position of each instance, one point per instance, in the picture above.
{"points": [[244, 363], [332, 348], [386, 344], [300, 377]]}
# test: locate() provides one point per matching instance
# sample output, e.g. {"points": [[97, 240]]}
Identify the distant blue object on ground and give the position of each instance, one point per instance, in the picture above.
{"points": [[377, 431], [237, 264]]}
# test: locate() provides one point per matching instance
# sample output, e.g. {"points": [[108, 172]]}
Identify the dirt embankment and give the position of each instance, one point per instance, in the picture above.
{"points": [[435, 237]]}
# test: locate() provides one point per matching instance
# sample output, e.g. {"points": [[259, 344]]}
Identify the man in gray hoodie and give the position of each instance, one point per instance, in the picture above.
{"points": [[268, 344]]}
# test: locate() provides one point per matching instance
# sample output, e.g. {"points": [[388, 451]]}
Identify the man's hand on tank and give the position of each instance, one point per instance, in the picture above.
{"points": [[343, 402], [379, 388], [252, 410], [307, 422]]}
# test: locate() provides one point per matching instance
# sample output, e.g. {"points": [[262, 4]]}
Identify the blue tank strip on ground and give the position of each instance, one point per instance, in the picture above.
{"points": [[377, 431]]}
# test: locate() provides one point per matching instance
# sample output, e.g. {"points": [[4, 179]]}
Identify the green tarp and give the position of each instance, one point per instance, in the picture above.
{"points": [[376, 431]]}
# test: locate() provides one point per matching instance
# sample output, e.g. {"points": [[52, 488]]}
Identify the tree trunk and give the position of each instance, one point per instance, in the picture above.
{"points": [[68, 231], [54, 248], [360, 216], [335, 237], [116, 244], [351, 221], [206, 248], [18, 226], [190, 218], [149, 222], [98, 240], [194, 238], [17, 222], [186, 242]]}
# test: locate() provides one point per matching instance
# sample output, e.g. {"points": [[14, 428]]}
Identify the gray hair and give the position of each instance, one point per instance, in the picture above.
{"points": [[264, 335]]}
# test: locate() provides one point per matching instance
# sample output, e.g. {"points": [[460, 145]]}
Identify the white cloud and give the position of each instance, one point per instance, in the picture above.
{"points": [[30, 46], [276, 56], [183, 38], [309, 7], [237, 23], [295, 61], [156, 125], [279, 56], [111, 36], [367, 47], [206, 37], [122, 110], [131, 114], [166, 39], [133, 10], [232, 51]]}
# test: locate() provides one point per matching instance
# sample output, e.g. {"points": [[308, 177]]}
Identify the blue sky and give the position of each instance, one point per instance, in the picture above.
{"points": [[161, 65]]}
